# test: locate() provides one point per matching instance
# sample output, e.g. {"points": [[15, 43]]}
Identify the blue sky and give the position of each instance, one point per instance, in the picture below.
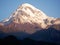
{"points": [[49, 7]]}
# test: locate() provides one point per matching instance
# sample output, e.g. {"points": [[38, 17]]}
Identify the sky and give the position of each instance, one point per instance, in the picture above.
{"points": [[49, 7]]}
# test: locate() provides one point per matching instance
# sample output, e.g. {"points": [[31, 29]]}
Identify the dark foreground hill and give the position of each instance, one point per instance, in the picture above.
{"points": [[12, 40]]}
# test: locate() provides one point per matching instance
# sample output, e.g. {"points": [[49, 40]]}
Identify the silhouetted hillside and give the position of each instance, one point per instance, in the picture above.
{"points": [[48, 35], [12, 40]]}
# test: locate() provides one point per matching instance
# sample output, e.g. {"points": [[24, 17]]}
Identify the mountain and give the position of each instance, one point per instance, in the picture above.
{"points": [[47, 35], [12, 40], [27, 21]]}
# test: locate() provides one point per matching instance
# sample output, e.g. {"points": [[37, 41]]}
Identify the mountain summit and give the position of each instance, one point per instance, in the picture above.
{"points": [[28, 19]]}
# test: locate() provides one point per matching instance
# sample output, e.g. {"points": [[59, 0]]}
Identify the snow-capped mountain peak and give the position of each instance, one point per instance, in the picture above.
{"points": [[28, 21], [28, 16], [28, 13]]}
